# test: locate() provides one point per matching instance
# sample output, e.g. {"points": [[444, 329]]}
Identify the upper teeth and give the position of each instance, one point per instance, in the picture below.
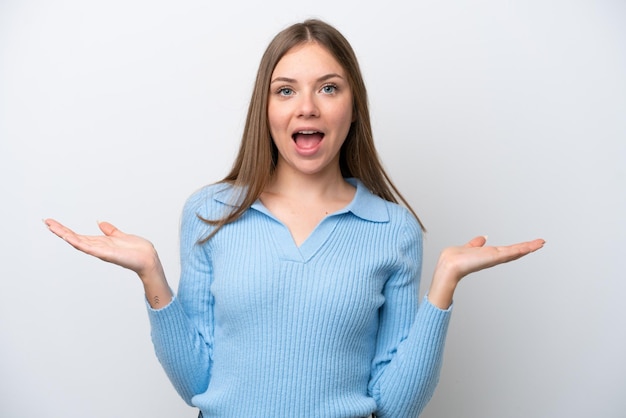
{"points": [[307, 132]]}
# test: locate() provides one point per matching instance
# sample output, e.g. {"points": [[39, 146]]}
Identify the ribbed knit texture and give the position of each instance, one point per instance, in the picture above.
{"points": [[263, 328]]}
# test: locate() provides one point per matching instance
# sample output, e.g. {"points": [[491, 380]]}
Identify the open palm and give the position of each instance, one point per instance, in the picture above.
{"points": [[128, 251], [474, 256]]}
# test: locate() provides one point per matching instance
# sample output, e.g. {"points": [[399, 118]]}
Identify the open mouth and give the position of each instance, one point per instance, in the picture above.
{"points": [[307, 139]]}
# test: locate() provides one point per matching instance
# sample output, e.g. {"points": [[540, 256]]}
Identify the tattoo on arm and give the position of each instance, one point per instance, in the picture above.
{"points": [[156, 300]]}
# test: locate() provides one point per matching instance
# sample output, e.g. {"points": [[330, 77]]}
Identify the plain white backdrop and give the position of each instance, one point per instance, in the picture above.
{"points": [[498, 118]]}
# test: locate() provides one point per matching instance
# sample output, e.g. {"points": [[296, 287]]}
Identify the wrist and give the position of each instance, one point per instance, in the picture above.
{"points": [[442, 288], [152, 271], [156, 288]]}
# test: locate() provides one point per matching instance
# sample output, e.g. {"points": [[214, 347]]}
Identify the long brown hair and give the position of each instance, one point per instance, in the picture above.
{"points": [[256, 160]]}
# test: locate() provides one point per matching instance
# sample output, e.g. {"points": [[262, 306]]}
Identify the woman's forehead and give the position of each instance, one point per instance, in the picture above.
{"points": [[309, 58]]}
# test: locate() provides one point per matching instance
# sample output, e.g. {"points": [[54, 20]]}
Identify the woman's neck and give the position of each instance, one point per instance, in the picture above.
{"points": [[328, 185], [301, 201]]}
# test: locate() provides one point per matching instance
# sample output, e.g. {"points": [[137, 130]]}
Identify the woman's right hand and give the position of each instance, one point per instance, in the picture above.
{"points": [[125, 250]]}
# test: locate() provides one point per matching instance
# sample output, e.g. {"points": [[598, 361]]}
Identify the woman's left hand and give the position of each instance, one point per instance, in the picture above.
{"points": [[457, 262]]}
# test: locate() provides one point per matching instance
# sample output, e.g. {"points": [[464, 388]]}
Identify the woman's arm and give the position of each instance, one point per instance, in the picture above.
{"points": [[410, 347], [181, 331]]}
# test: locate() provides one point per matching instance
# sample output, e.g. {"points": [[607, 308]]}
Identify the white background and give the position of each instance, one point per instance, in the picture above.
{"points": [[505, 118]]}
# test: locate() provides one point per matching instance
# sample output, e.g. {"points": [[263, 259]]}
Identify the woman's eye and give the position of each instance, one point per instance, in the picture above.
{"points": [[285, 91], [329, 89]]}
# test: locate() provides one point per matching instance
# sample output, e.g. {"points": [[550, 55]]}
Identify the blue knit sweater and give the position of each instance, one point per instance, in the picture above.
{"points": [[263, 328]]}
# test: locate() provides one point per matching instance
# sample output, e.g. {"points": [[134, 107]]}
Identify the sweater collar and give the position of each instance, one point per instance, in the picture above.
{"points": [[365, 204]]}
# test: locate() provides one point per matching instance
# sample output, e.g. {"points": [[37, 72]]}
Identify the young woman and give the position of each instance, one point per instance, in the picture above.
{"points": [[300, 270]]}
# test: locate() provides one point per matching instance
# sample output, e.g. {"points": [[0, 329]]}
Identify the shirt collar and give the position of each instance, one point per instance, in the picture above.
{"points": [[228, 194], [365, 204]]}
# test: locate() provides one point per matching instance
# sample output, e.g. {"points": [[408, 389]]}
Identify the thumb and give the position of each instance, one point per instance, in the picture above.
{"points": [[107, 228], [477, 241]]}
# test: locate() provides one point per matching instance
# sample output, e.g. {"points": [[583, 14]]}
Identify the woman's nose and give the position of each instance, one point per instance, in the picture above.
{"points": [[308, 106]]}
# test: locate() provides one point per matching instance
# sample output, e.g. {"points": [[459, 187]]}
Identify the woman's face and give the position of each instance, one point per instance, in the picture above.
{"points": [[309, 110]]}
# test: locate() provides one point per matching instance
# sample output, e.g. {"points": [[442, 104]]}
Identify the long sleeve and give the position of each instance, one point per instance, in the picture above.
{"points": [[182, 331], [411, 338]]}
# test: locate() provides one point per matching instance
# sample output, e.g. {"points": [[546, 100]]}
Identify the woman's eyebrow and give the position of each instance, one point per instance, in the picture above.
{"points": [[283, 79], [293, 80], [329, 76]]}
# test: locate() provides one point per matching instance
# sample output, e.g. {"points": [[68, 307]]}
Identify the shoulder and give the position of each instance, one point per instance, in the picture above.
{"points": [[210, 197], [409, 228]]}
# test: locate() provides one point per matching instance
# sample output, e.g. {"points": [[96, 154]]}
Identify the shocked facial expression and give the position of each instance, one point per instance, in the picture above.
{"points": [[309, 110]]}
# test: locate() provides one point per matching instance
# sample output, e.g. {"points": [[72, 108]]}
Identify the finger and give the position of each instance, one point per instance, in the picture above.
{"points": [[80, 242], [477, 242], [536, 244], [528, 246], [531, 246], [51, 223], [108, 229], [515, 251], [58, 229]]}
